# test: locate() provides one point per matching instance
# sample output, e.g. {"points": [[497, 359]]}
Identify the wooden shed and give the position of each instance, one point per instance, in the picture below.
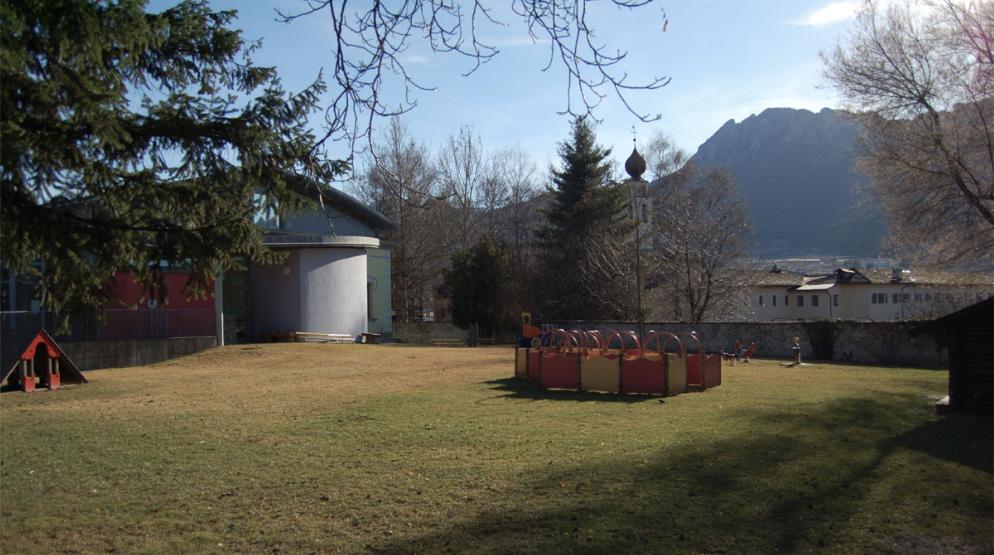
{"points": [[968, 334]]}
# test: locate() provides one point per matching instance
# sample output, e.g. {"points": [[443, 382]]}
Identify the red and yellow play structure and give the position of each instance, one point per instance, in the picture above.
{"points": [[619, 362], [38, 361]]}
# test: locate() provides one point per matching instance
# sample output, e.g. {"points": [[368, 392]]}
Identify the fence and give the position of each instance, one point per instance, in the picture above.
{"points": [[113, 324]]}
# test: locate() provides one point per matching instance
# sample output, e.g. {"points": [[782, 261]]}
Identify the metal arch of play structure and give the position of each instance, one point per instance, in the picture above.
{"points": [[618, 362], [703, 370]]}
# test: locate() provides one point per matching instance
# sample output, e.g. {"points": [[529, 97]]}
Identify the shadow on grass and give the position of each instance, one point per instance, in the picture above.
{"points": [[960, 438], [799, 485], [521, 389]]}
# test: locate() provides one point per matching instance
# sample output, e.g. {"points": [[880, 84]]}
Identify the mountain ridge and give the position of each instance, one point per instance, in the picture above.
{"points": [[796, 170]]}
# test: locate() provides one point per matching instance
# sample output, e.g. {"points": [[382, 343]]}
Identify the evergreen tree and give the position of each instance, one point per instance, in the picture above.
{"points": [[132, 139], [586, 241], [479, 284]]}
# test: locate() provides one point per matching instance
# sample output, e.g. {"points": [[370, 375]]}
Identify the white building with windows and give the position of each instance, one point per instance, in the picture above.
{"points": [[848, 294]]}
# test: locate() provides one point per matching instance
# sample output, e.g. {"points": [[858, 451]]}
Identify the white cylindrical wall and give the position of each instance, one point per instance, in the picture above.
{"points": [[332, 290]]}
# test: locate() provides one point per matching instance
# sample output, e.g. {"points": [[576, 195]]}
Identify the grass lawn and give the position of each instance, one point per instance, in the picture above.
{"points": [[320, 448]]}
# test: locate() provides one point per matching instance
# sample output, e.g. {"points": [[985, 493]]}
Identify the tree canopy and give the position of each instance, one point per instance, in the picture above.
{"points": [[700, 233], [132, 140], [479, 284], [585, 261], [923, 76]]}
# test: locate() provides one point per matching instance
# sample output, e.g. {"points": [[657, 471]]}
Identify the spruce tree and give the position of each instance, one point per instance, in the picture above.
{"points": [[133, 139], [480, 283], [586, 240]]}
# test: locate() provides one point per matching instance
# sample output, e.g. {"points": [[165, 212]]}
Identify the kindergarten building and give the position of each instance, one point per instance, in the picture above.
{"points": [[335, 278]]}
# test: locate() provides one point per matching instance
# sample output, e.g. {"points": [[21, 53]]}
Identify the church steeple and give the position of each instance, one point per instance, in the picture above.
{"points": [[635, 165]]}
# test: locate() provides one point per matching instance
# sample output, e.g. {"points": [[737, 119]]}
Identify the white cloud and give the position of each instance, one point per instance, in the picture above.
{"points": [[834, 12], [414, 59]]}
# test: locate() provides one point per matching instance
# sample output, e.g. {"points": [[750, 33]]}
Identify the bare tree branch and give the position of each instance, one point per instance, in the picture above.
{"points": [[370, 39], [926, 84]]}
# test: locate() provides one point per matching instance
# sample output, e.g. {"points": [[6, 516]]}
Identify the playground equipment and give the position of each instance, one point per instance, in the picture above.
{"points": [[618, 362], [530, 335], [703, 370], [40, 362]]}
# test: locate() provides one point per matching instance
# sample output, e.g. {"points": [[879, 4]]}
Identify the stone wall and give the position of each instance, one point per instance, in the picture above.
{"points": [[840, 341], [426, 332], [117, 353]]}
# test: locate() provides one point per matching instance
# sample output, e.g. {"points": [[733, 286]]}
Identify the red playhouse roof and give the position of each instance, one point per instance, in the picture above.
{"points": [[70, 373]]}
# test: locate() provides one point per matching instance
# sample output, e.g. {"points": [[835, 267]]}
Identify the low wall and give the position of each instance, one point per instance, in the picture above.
{"points": [[840, 341], [426, 332], [116, 353]]}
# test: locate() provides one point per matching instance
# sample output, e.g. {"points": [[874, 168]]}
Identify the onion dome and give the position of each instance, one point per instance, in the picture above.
{"points": [[635, 165]]}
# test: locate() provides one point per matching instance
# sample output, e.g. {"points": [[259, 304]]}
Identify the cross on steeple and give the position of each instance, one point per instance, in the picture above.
{"points": [[634, 134]]}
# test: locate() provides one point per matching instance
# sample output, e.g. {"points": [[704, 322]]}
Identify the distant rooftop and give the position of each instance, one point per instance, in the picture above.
{"points": [[782, 278]]}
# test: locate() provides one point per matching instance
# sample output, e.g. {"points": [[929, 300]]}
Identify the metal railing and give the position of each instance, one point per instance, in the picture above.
{"points": [[112, 324]]}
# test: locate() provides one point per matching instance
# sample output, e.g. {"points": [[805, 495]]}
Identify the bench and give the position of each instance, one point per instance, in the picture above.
{"points": [[370, 338], [313, 337], [448, 342]]}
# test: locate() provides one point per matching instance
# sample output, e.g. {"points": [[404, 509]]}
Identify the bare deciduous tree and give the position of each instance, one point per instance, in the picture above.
{"points": [[495, 195], [925, 77], [443, 209], [369, 39], [401, 183], [463, 174], [662, 157], [700, 232], [606, 272], [518, 215]]}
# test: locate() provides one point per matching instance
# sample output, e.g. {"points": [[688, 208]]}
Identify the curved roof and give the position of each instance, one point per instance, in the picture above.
{"points": [[635, 165]]}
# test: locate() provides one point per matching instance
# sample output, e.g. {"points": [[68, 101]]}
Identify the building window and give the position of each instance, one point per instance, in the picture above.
{"points": [[905, 297], [918, 297], [928, 297], [760, 300], [814, 300], [881, 298], [800, 300], [835, 300], [894, 298], [786, 300], [774, 297]]}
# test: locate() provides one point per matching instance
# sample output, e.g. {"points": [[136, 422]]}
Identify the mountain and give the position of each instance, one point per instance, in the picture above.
{"points": [[796, 169]]}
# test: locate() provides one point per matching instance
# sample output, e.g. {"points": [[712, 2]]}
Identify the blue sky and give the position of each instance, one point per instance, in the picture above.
{"points": [[727, 59]]}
